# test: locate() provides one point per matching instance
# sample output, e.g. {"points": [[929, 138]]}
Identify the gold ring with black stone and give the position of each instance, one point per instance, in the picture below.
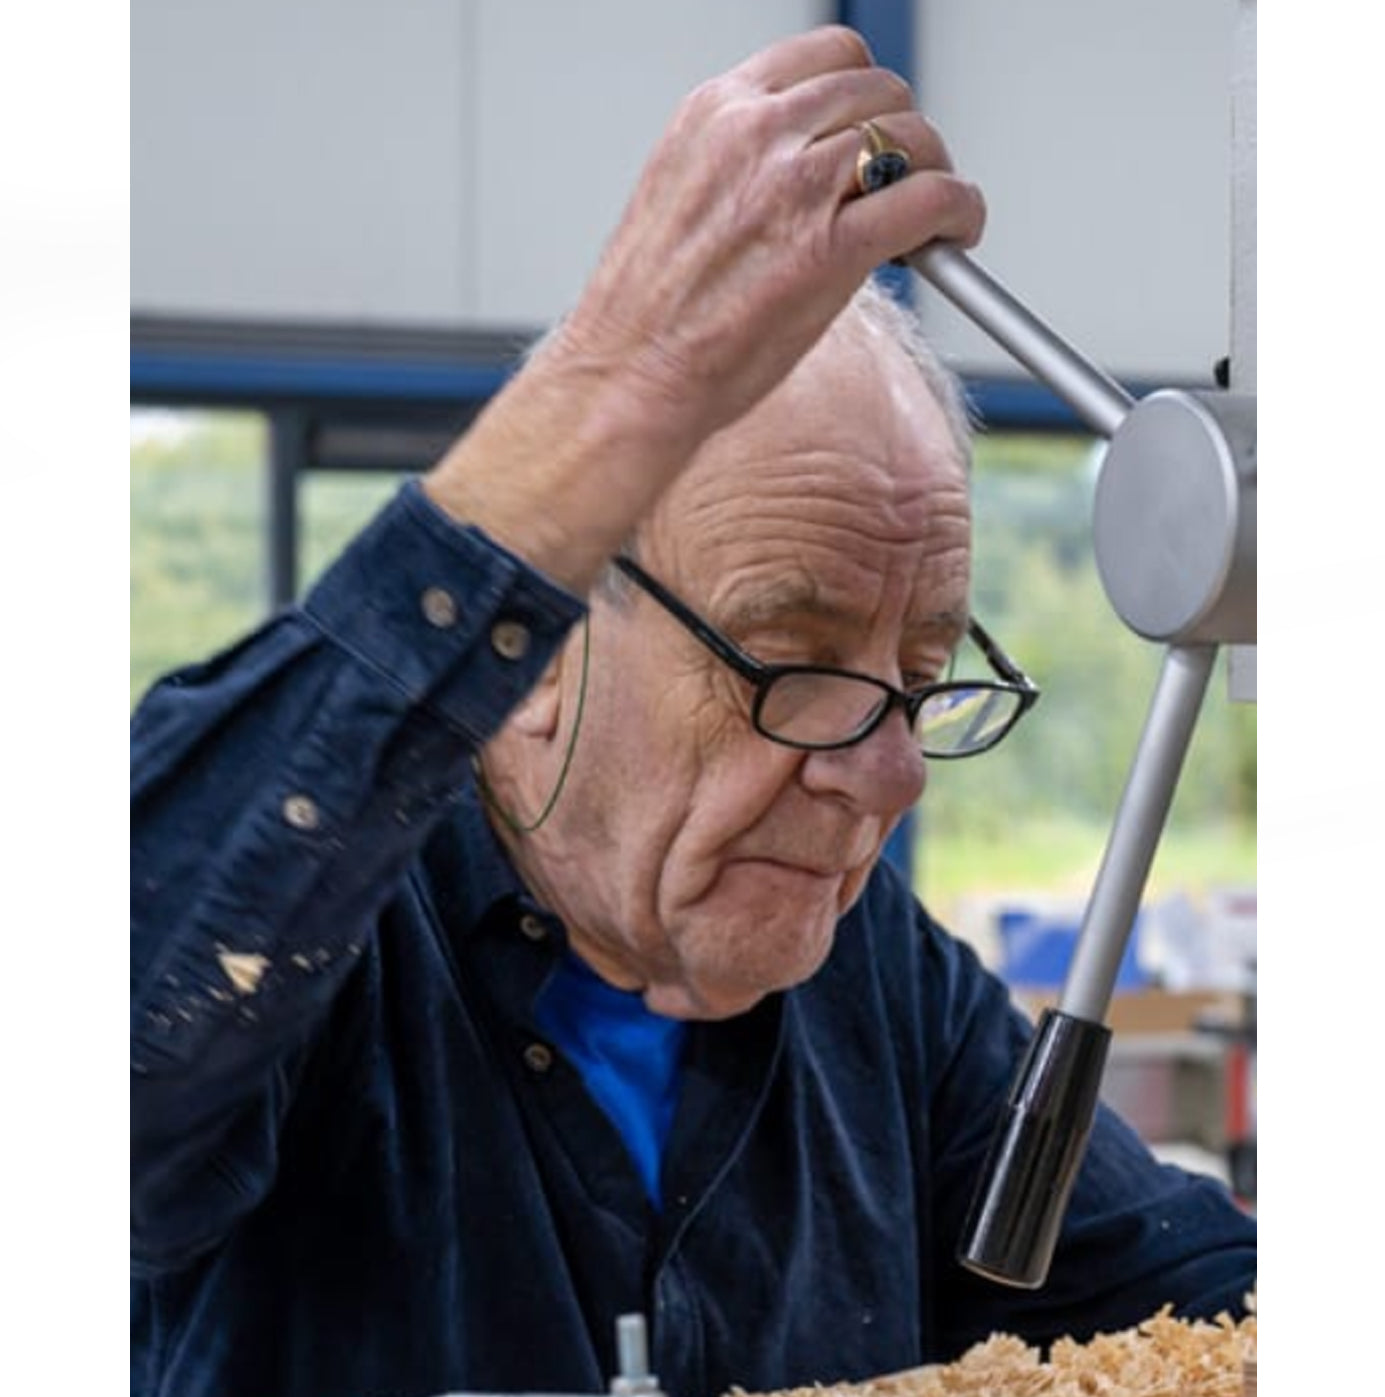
{"points": [[878, 164]]}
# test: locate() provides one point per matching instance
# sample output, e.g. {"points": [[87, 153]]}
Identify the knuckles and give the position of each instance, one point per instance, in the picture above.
{"points": [[854, 51], [896, 93]]}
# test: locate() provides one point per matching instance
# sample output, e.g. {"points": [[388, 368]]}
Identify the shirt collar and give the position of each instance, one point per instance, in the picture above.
{"points": [[470, 871]]}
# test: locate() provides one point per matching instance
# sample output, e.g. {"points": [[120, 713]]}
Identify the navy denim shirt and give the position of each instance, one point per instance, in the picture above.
{"points": [[358, 1170]]}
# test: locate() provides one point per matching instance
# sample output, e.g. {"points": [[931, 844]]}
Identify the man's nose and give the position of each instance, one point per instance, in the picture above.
{"points": [[883, 774]]}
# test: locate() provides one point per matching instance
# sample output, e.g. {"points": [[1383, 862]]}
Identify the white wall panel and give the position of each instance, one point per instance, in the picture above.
{"points": [[302, 158], [421, 162], [461, 161], [572, 98], [1100, 131]]}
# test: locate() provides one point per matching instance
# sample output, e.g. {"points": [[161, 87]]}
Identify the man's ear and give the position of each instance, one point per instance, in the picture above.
{"points": [[538, 712]]}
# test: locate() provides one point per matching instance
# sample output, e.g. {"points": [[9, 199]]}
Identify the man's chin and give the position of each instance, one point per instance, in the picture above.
{"points": [[704, 1003], [682, 1002], [763, 927], [703, 993]]}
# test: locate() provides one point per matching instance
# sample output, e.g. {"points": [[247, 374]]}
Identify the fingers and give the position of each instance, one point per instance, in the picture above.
{"points": [[926, 206], [929, 204], [746, 232], [908, 131], [829, 103], [815, 92], [829, 48]]}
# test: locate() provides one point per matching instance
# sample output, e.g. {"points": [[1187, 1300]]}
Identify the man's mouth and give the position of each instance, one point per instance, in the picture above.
{"points": [[807, 869]]}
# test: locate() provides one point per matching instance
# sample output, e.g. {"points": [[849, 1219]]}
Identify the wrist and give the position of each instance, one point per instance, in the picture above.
{"points": [[563, 463]]}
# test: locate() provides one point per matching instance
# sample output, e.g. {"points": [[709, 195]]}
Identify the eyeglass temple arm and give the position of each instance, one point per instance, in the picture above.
{"points": [[747, 666], [996, 657], [1208, 446]]}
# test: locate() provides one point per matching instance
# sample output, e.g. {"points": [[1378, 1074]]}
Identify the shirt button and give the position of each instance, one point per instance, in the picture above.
{"points": [[538, 1057], [531, 927], [439, 609], [510, 639], [300, 812]]}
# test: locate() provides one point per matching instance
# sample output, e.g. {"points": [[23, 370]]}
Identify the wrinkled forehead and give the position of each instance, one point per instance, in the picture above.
{"points": [[850, 465]]}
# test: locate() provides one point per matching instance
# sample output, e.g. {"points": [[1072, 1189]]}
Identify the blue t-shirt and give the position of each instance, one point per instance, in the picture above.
{"points": [[628, 1057]]}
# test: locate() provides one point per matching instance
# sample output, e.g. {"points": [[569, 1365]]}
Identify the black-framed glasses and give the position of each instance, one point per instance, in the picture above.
{"points": [[818, 708]]}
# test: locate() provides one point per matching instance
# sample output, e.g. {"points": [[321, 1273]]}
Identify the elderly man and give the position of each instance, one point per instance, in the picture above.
{"points": [[511, 944]]}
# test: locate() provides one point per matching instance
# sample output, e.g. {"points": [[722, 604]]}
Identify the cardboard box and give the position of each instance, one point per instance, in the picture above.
{"points": [[1153, 1010], [1172, 1011]]}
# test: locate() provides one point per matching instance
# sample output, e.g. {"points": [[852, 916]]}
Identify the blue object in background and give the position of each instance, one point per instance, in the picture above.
{"points": [[1036, 949]]}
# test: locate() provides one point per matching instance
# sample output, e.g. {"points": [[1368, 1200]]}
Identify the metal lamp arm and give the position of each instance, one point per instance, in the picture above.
{"points": [[1093, 395], [1203, 596]]}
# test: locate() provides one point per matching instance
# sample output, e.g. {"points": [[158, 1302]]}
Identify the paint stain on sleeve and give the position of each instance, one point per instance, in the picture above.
{"points": [[243, 969]]}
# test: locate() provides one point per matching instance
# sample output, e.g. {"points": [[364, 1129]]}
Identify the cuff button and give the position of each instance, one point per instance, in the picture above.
{"points": [[301, 812], [439, 608], [510, 640], [532, 928]]}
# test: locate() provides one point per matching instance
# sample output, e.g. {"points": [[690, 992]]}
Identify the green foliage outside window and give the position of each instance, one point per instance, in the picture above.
{"points": [[1037, 810]]}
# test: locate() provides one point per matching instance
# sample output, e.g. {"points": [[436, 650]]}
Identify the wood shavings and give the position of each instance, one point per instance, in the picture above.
{"points": [[1162, 1357]]}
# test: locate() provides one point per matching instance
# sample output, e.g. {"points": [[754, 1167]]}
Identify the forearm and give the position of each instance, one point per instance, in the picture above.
{"points": [[741, 242], [565, 460]]}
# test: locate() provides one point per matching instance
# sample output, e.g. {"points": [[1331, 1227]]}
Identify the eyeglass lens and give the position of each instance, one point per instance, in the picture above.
{"points": [[965, 720], [818, 709]]}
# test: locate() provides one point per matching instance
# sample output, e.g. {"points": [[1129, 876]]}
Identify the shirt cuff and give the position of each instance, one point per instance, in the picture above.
{"points": [[453, 619]]}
